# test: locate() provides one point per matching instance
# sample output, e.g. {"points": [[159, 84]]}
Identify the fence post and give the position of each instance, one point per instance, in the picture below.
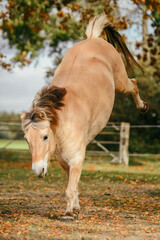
{"points": [[124, 143]]}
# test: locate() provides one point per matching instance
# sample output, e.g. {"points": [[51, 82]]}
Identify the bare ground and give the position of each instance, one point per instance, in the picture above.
{"points": [[115, 204]]}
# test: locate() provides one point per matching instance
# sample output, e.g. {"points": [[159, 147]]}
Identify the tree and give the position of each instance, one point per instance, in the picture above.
{"points": [[150, 10], [30, 26]]}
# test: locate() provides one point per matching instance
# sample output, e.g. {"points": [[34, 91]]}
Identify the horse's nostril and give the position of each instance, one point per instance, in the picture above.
{"points": [[41, 174]]}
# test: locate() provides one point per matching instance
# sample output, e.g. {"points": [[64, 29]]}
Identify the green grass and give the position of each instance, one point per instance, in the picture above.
{"points": [[98, 168], [15, 144], [139, 171]]}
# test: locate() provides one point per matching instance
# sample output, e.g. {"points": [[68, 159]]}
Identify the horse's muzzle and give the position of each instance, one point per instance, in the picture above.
{"points": [[40, 168], [42, 174]]}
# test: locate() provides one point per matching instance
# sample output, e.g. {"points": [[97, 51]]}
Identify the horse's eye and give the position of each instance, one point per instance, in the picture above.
{"points": [[45, 138]]}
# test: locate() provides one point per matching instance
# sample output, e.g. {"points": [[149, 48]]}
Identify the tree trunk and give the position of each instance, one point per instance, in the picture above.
{"points": [[115, 12], [145, 50]]}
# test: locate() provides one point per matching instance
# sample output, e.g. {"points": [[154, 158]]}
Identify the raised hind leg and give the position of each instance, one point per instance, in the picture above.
{"points": [[132, 88], [126, 85]]}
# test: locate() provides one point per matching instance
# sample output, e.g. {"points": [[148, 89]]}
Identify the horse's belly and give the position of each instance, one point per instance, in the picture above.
{"points": [[101, 114]]}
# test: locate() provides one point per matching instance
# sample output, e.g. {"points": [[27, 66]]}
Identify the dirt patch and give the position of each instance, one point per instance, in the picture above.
{"points": [[30, 208]]}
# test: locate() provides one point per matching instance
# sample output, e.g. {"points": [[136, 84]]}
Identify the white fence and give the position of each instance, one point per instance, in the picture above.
{"points": [[122, 133], [113, 135]]}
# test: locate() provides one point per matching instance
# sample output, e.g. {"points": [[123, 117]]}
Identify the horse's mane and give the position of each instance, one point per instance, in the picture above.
{"points": [[44, 107]]}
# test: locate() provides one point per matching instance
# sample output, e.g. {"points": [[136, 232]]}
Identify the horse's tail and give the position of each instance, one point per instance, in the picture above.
{"points": [[100, 23]]}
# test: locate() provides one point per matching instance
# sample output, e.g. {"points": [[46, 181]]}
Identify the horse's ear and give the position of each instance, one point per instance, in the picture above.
{"points": [[22, 115], [42, 115]]}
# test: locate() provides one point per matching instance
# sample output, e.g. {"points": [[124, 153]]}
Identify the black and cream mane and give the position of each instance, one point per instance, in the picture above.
{"points": [[44, 107]]}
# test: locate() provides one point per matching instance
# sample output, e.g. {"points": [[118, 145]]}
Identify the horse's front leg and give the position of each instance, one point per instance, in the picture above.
{"points": [[73, 207], [76, 207]]}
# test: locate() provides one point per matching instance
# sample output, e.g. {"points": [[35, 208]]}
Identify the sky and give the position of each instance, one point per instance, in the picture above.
{"points": [[18, 88]]}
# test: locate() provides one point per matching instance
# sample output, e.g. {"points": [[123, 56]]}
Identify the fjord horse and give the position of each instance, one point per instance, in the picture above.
{"points": [[68, 114]]}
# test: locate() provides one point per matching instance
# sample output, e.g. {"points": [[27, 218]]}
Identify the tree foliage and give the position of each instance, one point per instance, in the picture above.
{"points": [[151, 41], [30, 26]]}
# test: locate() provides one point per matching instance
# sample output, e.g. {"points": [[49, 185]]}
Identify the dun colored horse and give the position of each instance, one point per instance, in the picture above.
{"points": [[68, 114]]}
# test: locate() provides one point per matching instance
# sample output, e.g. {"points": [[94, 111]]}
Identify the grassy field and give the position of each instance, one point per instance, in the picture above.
{"points": [[16, 144], [117, 202]]}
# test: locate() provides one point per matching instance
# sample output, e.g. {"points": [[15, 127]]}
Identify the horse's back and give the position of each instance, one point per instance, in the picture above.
{"points": [[90, 57]]}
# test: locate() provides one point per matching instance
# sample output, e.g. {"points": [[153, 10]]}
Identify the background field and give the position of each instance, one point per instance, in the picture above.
{"points": [[16, 144], [117, 202]]}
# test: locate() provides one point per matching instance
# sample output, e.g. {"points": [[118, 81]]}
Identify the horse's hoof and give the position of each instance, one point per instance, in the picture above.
{"points": [[76, 213], [145, 108], [67, 218]]}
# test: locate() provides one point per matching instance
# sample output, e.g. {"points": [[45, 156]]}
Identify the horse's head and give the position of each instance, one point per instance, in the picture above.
{"points": [[40, 139], [37, 123]]}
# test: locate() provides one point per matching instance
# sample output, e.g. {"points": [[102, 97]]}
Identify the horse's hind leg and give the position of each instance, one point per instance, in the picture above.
{"points": [[132, 88]]}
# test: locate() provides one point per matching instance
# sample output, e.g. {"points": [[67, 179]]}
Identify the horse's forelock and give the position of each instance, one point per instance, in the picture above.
{"points": [[44, 108], [38, 114], [36, 118]]}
